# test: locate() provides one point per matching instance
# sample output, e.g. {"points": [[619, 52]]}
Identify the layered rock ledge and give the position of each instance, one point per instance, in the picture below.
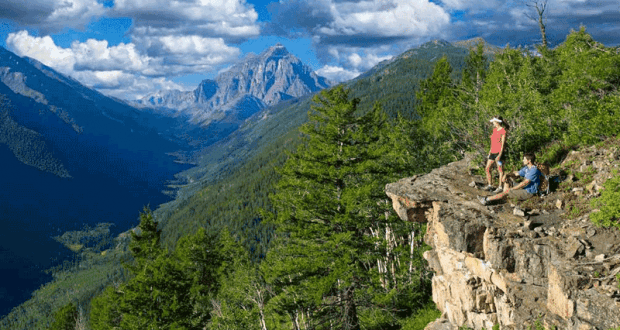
{"points": [[493, 267]]}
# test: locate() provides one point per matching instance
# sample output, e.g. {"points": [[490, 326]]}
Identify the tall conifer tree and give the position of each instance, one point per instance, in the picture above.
{"points": [[328, 201]]}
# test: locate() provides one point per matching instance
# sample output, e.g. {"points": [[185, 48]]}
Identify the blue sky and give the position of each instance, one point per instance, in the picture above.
{"points": [[129, 48]]}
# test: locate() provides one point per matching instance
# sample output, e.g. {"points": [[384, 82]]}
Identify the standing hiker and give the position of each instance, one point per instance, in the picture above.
{"points": [[496, 153]]}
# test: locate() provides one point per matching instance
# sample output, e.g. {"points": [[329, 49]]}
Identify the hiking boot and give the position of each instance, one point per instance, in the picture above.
{"points": [[482, 200], [498, 190], [488, 188]]}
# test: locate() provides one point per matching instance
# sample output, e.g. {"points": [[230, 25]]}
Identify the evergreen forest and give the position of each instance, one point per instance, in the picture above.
{"points": [[300, 234]]}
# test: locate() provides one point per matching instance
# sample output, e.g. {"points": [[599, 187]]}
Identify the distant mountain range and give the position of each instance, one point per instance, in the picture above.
{"points": [[256, 82]]}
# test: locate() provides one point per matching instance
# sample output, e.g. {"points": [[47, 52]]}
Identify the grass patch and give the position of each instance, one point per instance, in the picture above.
{"points": [[421, 318], [75, 247]]}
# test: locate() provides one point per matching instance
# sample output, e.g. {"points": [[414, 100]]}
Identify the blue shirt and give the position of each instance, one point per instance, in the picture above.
{"points": [[532, 174]]}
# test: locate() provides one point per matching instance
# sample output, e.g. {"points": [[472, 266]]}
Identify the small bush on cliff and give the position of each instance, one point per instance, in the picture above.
{"points": [[65, 318], [421, 318], [609, 214]]}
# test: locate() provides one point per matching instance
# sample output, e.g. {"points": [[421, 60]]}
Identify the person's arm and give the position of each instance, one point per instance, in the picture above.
{"points": [[522, 184], [503, 141], [491, 146]]}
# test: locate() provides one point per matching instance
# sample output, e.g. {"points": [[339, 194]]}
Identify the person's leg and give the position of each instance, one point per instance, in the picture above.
{"points": [[500, 169], [519, 194], [498, 196], [488, 170]]}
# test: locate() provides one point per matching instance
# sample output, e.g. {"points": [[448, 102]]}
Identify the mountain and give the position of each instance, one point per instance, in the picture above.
{"points": [[488, 49], [431, 51], [254, 83], [71, 156]]}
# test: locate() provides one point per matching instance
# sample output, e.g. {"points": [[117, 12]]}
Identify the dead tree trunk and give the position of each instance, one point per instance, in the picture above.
{"points": [[540, 7]]}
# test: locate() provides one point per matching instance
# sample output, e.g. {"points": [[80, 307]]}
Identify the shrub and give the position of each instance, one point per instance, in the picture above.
{"points": [[421, 318], [608, 204], [65, 318]]}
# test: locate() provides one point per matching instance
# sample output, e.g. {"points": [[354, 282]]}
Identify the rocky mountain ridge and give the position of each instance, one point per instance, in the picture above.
{"points": [[254, 83], [518, 264]]}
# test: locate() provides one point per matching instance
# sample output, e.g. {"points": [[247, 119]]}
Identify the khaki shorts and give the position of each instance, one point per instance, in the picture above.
{"points": [[519, 194]]}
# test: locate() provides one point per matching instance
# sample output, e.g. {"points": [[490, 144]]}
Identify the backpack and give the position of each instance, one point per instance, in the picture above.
{"points": [[543, 188]]}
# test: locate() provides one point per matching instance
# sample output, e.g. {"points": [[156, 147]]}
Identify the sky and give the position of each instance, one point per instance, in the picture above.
{"points": [[129, 48]]}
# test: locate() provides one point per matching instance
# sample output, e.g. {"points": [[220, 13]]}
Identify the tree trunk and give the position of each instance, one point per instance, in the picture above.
{"points": [[351, 321], [542, 29], [263, 324], [540, 6], [294, 321], [412, 237]]}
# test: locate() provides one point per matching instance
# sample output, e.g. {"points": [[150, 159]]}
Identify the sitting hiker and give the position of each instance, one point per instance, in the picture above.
{"points": [[525, 189]]}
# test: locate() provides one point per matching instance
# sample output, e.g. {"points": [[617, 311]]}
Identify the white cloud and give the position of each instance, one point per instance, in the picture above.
{"points": [[97, 55], [336, 73], [128, 86], [168, 38], [352, 62], [121, 70], [207, 50], [42, 49], [208, 18], [75, 13], [52, 15], [392, 18], [471, 4], [356, 59]]}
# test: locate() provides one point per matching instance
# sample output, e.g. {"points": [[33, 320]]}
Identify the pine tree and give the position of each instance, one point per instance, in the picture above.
{"points": [[201, 259], [65, 318], [241, 299], [473, 76], [328, 202], [158, 294], [145, 246], [436, 97], [104, 312]]}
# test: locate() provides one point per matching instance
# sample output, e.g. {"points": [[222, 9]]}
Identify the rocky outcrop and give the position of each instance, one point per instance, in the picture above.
{"points": [[493, 267]]}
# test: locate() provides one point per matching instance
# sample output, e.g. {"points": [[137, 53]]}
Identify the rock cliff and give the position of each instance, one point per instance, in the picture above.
{"points": [[542, 266]]}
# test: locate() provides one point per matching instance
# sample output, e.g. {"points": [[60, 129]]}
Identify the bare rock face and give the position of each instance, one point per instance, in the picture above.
{"points": [[272, 76], [268, 78], [491, 268]]}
